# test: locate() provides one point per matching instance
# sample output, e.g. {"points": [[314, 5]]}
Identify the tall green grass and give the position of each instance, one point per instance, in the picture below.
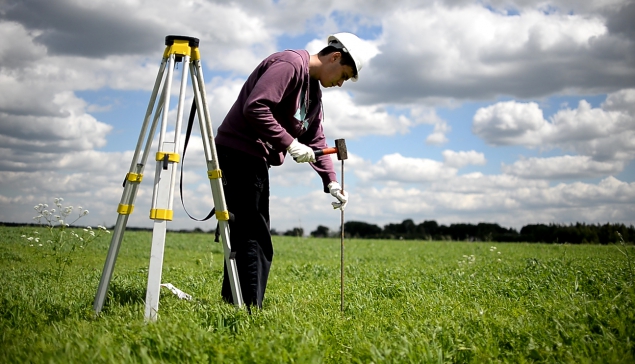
{"points": [[406, 301]]}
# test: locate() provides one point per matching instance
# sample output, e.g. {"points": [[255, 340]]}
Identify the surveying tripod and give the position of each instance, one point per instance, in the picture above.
{"points": [[185, 50]]}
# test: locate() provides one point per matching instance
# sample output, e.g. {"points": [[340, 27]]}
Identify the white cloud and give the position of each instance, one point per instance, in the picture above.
{"points": [[621, 101], [562, 167], [71, 129], [604, 134], [17, 50], [438, 135], [509, 122], [221, 95], [106, 28], [563, 6], [395, 167], [462, 159], [55, 59], [479, 183], [507, 200], [469, 51], [292, 174], [347, 120], [427, 115], [436, 138]]}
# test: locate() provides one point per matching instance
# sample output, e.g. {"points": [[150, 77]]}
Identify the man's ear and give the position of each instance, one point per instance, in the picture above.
{"points": [[335, 57]]}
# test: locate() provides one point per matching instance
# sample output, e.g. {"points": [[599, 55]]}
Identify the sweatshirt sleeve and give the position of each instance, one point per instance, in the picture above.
{"points": [[270, 88], [314, 138]]}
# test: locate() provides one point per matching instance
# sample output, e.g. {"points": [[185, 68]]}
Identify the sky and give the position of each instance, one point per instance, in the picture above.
{"points": [[510, 112]]}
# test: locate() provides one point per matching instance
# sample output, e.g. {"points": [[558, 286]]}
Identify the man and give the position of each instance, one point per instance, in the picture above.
{"points": [[278, 110]]}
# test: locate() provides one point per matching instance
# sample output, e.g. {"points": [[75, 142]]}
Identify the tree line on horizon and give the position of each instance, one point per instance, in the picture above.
{"points": [[578, 233]]}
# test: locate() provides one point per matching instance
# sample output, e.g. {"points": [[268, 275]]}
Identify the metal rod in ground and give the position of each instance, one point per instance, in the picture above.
{"points": [[342, 248]]}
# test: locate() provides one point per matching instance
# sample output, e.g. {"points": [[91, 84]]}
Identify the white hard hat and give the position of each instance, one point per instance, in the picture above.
{"points": [[350, 44]]}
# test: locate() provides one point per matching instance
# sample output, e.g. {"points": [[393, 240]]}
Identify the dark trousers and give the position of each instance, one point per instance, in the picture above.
{"points": [[246, 187]]}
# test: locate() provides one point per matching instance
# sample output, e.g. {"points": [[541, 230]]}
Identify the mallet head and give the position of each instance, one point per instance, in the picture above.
{"points": [[342, 154]]}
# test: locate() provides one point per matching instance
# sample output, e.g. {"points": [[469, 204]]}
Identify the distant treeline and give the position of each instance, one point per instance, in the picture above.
{"points": [[578, 233]]}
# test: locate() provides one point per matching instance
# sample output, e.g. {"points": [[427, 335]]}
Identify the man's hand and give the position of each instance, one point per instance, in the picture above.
{"points": [[341, 196], [301, 153]]}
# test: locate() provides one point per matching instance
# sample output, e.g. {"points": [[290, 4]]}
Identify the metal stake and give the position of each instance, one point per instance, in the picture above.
{"points": [[342, 248]]}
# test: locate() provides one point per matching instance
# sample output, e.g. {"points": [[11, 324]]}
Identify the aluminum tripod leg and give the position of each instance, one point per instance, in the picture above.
{"points": [[131, 185], [214, 173], [163, 193]]}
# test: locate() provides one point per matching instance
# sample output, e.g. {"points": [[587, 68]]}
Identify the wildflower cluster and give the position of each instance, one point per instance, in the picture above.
{"points": [[493, 250], [58, 215], [62, 240], [468, 259]]}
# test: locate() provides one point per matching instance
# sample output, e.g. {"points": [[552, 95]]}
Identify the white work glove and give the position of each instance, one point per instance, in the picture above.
{"points": [[341, 196], [300, 152]]}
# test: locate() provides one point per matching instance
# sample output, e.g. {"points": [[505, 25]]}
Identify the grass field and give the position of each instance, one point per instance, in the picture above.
{"points": [[406, 301]]}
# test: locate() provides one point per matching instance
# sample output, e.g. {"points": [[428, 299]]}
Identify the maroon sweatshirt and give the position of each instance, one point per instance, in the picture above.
{"points": [[271, 111]]}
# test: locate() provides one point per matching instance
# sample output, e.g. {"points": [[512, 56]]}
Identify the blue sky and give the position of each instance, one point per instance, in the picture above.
{"points": [[512, 112]]}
